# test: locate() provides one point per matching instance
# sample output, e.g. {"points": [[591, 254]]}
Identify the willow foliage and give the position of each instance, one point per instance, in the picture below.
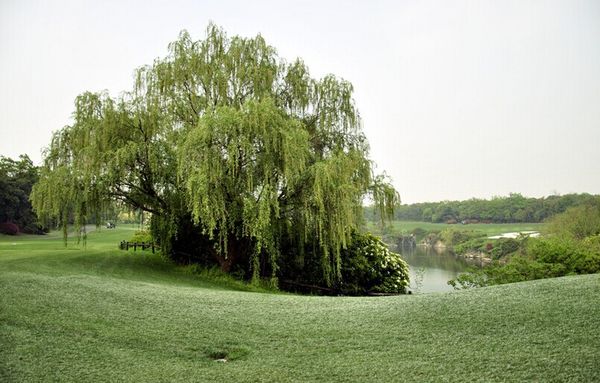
{"points": [[251, 148]]}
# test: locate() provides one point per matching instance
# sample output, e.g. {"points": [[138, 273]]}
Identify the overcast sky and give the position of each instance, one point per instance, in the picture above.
{"points": [[459, 99]]}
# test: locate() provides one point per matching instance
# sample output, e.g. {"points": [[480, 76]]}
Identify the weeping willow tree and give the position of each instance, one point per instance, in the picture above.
{"points": [[242, 159]]}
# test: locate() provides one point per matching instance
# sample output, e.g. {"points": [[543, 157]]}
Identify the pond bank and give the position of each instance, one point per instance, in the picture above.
{"points": [[430, 270], [473, 257]]}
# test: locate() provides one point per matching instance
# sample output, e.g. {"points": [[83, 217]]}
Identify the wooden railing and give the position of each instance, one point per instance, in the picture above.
{"points": [[125, 245]]}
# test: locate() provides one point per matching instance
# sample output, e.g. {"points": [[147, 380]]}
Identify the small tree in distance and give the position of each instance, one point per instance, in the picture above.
{"points": [[17, 177], [243, 159]]}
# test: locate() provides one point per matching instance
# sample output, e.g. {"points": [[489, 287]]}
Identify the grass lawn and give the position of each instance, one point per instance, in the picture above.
{"points": [[101, 314], [490, 229]]}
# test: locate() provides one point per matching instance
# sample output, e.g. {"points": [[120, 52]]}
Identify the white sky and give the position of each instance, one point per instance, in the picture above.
{"points": [[459, 99]]}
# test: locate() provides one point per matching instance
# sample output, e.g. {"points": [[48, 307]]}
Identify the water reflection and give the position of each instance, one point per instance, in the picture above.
{"points": [[430, 270]]}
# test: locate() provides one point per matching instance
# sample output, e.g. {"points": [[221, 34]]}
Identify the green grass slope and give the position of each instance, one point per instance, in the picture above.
{"points": [[101, 314]]}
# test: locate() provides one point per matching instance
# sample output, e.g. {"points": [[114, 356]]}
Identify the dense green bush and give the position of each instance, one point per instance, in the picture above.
{"points": [[452, 237], [577, 257], [578, 222], [141, 236], [506, 246], [539, 258], [475, 244], [593, 243], [461, 241], [369, 266], [16, 179], [495, 248]]}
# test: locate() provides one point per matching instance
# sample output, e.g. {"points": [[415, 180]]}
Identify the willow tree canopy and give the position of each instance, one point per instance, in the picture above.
{"points": [[249, 147]]}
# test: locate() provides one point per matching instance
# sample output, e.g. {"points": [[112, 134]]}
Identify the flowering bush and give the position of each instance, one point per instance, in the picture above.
{"points": [[369, 266]]}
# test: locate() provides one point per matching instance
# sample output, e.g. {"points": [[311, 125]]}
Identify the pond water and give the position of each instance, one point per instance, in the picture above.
{"points": [[430, 269]]}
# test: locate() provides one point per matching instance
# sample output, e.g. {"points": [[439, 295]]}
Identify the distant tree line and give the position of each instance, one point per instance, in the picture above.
{"points": [[510, 209], [16, 180]]}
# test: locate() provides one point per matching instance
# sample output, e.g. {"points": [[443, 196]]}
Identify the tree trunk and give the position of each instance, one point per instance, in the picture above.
{"points": [[236, 255]]}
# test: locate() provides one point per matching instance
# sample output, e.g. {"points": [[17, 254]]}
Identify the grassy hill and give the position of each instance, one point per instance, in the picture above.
{"points": [[100, 314]]}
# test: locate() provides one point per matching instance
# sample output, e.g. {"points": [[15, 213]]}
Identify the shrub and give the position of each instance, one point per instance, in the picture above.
{"points": [[505, 246], [576, 256], [476, 244], [141, 236], [577, 222], [453, 237], [473, 278], [9, 228], [592, 243], [369, 266], [541, 258]]}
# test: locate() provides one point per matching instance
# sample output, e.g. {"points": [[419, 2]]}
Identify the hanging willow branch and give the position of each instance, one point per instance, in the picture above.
{"points": [[224, 131]]}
